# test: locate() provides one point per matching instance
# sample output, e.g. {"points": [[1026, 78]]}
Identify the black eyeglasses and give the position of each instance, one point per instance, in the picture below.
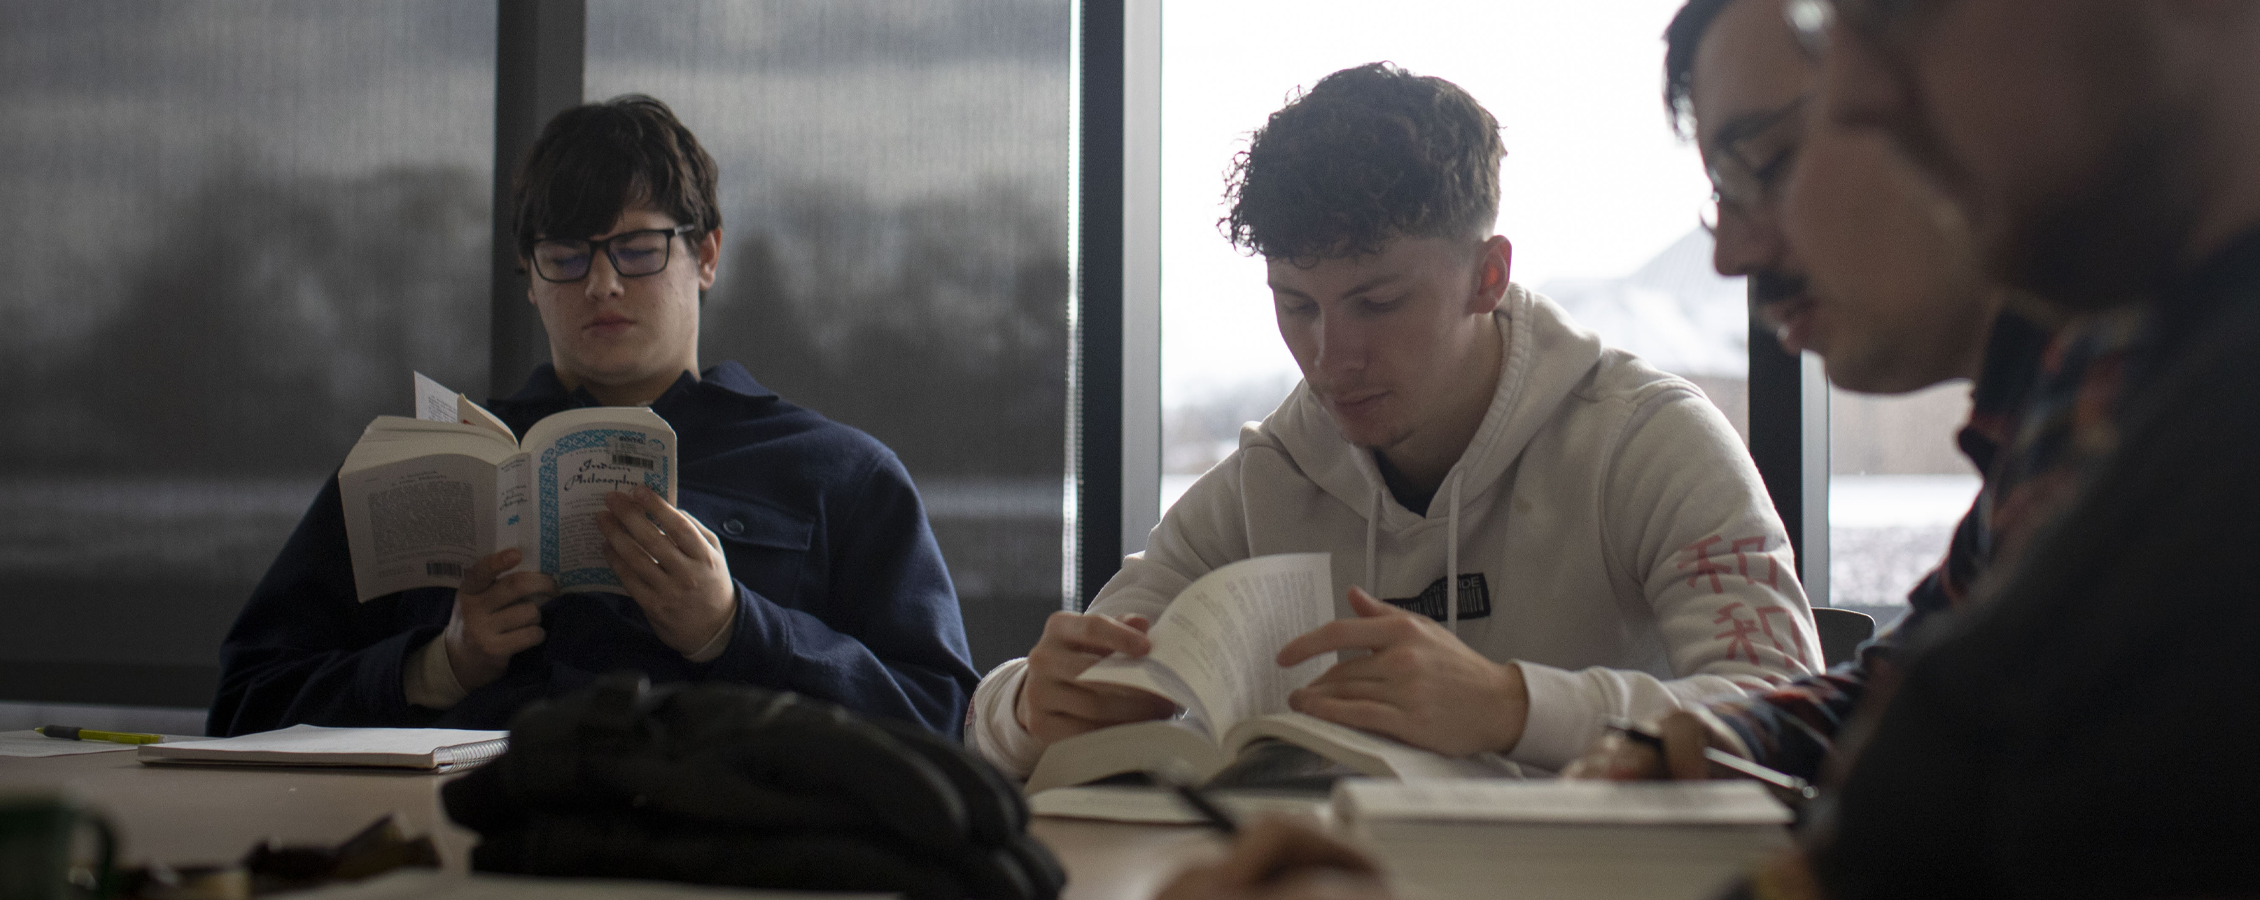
{"points": [[1750, 157], [633, 253]]}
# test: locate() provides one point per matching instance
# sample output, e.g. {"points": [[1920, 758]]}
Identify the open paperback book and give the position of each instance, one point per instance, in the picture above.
{"points": [[1213, 654], [426, 497]]}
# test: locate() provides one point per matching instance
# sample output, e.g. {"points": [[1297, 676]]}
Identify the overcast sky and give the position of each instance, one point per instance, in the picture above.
{"points": [[1594, 183]]}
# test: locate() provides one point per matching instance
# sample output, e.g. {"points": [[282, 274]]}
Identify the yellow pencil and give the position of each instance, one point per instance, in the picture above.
{"points": [[69, 733]]}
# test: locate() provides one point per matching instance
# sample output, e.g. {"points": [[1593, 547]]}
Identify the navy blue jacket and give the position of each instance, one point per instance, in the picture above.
{"points": [[841, 590]]}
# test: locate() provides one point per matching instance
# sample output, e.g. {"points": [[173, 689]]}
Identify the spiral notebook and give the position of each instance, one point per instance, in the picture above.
{"points": [[430, 749]]}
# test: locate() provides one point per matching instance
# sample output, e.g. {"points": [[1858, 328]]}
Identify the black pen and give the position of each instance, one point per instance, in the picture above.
{"points": [[1211, 813], [1793, 786], [1217, 818]]}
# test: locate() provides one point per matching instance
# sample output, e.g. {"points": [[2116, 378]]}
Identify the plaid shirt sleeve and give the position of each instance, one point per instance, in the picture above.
{"points": [[1792, 727]]}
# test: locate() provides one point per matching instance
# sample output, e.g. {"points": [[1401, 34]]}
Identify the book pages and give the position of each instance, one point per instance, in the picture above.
{"points": [[1221, 637]]}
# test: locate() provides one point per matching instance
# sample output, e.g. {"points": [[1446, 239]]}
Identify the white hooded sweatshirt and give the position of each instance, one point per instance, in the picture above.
{"points": [[1610, 532]]}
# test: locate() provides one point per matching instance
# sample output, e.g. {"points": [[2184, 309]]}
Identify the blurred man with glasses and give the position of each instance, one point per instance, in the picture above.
{"points": [[799, 558], [2086, 730], [1852, 255]]}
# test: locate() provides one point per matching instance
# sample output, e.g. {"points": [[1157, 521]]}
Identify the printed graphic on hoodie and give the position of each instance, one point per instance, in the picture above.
{"points": [[1475, 598]]}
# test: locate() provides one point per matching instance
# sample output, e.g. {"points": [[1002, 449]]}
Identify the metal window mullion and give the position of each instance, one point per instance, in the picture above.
{"points": [[1094, 416], [541, 53], [1789, 442], [1141, 273]]}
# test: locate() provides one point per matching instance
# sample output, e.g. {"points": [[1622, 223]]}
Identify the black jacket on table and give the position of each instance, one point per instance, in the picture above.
{"points": [[842, 594]]}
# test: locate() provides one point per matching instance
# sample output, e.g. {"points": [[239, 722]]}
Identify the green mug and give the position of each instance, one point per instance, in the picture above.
{"points": [[52, 848]]}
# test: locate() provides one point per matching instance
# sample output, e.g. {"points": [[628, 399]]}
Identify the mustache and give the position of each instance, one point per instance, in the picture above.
{"points": [[1771, 287]]}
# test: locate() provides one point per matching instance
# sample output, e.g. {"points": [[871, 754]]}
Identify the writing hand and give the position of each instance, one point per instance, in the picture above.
{"points": [[1053, 705], [1419, 684], [1616, 757], [1279, 860], [670, 565], [494, 618]]}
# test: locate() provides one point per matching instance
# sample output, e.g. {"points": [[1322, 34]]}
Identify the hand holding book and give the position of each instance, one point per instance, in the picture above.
{"points": [[496, 617], [1055, 704], [1417, 683], [670, 565], [1217, 652]]}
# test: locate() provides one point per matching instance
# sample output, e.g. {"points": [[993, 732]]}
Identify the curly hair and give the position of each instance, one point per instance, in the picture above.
{"points": [[594, 161], [1366, 155]]}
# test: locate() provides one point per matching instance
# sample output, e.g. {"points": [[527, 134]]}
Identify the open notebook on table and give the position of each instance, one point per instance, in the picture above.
{"points": [[432, 749]]}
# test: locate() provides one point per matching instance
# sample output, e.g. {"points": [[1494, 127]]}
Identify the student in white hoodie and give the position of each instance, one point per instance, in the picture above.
{"points": [[1615, 551]]}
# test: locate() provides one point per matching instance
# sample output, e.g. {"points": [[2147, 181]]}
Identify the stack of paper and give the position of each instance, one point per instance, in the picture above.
{"points": [[435, 749], [1563, 839]]}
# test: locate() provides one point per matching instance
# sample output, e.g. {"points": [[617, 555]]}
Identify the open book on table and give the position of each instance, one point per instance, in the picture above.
{"points": [[1213, 654], [426, 497]]}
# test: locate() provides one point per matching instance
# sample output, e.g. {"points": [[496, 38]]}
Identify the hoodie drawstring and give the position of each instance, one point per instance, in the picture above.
{"points": [[1372, 531], [1451, 552], [1452, 560]]}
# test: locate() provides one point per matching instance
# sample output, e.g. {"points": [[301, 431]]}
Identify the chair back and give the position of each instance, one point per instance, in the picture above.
{"points": [[1842, 632]]}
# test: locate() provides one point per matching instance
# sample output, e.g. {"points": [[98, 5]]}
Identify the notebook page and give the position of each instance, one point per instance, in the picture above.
{"points": [[316, 745]]}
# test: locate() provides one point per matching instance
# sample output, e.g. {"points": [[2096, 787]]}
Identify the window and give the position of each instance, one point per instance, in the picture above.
{"points": [[1897, 488], [894, 199], [239, 227]]}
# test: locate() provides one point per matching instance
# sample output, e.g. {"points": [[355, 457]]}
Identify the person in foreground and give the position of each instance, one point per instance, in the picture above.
{"points": [[1851, 255], [2085, 732], [1563, 533], [2080, 729], [1281, 859], [799, 557]]}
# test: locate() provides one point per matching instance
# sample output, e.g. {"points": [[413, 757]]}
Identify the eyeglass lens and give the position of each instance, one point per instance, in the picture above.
{"points": [[632, 254], [1746, 168]]}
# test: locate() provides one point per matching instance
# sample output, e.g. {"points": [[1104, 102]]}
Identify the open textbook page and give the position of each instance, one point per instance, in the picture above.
{"points": [[1215, 647], [1215, 652]]}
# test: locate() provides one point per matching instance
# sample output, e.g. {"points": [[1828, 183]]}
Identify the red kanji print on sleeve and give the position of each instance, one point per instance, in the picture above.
{"points": [[1700, 558]]}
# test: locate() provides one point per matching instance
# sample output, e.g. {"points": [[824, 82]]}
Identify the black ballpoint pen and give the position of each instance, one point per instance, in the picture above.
{"points": [[1183, 787], [1796, 789]]}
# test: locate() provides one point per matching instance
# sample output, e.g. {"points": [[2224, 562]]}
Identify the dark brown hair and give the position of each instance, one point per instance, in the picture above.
{"points": [[1681, 38], [1366, 155], [594, 161]]}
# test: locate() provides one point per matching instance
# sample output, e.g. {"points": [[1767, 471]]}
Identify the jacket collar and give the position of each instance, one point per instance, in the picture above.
{"points": [[726, 378]]}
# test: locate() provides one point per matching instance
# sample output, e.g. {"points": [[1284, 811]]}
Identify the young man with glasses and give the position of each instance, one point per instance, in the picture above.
{"points": [[2085, 730], [799, 558], [1563, 533], [1852, 255]]}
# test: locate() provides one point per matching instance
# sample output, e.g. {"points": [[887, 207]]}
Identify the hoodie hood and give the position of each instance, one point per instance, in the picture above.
{"points": [[1547, 356]]}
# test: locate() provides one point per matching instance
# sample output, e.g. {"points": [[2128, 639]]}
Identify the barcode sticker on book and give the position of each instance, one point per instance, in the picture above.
{"points": [[449, 569], [634, 452]]}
